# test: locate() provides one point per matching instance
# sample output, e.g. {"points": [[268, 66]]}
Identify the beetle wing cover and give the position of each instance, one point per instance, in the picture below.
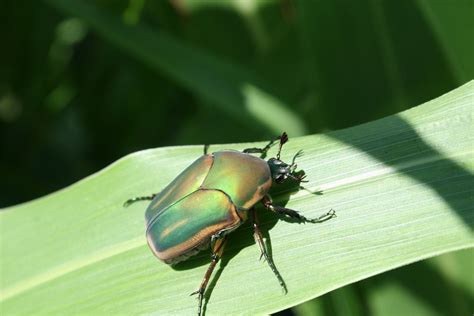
{"points": [[245, 178], [185, 183], [190, 223]]}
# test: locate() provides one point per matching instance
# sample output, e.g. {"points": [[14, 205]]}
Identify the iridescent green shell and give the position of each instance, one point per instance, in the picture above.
{"points": [[211, 196]]}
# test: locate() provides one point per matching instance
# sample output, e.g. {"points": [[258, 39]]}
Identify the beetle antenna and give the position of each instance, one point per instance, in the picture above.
{"points": [[297, 155], [283, 140]]}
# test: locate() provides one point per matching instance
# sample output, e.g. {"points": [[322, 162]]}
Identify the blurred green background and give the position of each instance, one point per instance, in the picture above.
{"points": [[83, 83]]}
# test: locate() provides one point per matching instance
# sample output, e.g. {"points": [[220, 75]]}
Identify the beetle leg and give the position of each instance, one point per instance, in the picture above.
{"points": [[206, 147], [217, 250], [139, 198], [217, 236], [267, 202], [283, 139], [263, 151], [257, 235]]}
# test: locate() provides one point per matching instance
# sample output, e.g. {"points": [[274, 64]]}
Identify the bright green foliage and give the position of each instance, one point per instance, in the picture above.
{"points": [[83, 83], [402, 188]]}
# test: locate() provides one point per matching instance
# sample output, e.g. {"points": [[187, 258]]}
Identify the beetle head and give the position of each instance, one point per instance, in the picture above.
{"points": [[279, 170]]}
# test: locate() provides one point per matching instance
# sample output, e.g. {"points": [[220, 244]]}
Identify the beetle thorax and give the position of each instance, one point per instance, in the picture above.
{"points": [[278, 169]]}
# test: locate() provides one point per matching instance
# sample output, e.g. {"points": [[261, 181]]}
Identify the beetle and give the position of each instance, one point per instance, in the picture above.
{"points": [[213, 197]]}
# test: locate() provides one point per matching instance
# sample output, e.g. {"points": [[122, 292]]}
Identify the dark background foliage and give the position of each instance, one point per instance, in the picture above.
{"points": [[83, 83]]}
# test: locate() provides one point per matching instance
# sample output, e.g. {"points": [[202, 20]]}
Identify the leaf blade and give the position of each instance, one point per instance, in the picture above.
{"points": [[388, 216], [230, 87]]}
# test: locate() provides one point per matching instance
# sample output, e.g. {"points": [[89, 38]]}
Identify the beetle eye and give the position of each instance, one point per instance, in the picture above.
{"points": [[280, 178]]}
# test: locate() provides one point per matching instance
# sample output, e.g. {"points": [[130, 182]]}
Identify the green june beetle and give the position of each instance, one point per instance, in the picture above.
{"points": [[211, 198]]}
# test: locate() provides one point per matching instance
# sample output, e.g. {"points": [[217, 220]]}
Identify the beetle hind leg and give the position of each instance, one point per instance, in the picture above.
{"points": [[257, 234], [139, 198], [267, 202], [217, 250], [206, 148]]}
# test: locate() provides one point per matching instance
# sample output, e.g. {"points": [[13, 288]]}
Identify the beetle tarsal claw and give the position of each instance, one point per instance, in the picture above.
{"points": [[196, 292], [129, 202], [325, 217]]}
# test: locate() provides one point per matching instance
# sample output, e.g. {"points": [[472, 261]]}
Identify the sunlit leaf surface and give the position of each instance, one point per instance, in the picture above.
{"points": [[402, 188]]}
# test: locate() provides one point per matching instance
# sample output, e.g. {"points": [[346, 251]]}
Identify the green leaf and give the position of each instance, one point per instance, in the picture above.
{"points": [[402, 188], [449, 23], [233, 89], [396, 288]]}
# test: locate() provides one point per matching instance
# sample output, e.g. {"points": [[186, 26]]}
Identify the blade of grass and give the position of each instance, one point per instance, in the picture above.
{"points": [[78, 251], [225, 84], [452, 25], [405, 290], [410, 289]]}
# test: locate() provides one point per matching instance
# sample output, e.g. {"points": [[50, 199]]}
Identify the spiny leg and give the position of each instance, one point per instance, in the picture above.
{"points": [[263, 151], [257, 235], [267, 202], [139, 198], [217, 250]]}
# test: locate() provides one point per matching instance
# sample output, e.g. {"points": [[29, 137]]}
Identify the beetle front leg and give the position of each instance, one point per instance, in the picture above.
{"points": [[139, 198], [263, 151], [257, 235], [267, 202], [217, 250]]}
